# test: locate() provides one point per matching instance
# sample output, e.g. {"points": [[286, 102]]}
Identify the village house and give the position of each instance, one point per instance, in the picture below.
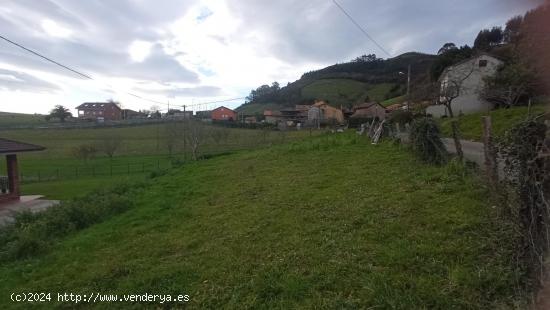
{"points": [[250, 120], [223, 114], [295, 115], [178, 114], [131, 114], [369, 110], [321, 112], [99, 111], [272, 117], [468, 75], [204, 115]]}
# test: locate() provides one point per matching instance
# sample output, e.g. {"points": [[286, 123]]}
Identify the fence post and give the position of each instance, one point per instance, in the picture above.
{"points": [[490, 154], [39, 176]]}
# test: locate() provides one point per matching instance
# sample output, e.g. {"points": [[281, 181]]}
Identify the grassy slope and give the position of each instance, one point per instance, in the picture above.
{"points": [[336, 91], [135, 140], [502, 120], [394, 100], [345, 91], [255, 108], [378, 92], [10, 119], [331, 222], [70, 188], [138, 149]]}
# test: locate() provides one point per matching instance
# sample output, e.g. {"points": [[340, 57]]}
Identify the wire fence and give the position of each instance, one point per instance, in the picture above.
{"points": [[93, 170]]}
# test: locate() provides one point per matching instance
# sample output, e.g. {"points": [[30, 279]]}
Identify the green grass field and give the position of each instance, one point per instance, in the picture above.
{"points": [[56, 173], [8, 119], [66, 189], [139, 140], [502, 120], [330, 222]]}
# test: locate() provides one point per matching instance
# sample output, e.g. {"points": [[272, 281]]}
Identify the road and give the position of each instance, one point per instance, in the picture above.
{"points": [[473, 151]]}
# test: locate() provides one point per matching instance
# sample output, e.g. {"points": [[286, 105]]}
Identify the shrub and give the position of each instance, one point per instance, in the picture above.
{"points": [[401, 117], [525, 191], [355, 122], [426, 141], [32, 234], [84, 152]]}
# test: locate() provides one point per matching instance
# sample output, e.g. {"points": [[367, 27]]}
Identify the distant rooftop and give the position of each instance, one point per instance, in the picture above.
{"points": [[96, 105]]}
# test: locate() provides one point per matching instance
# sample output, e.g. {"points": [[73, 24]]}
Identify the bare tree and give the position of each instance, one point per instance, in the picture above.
{"points": [[195, 134], [109, 145], [84, 152], [452, 86], [510, 83], [173, 135]]}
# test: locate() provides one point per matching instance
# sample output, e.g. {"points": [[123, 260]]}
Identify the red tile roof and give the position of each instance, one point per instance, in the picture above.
{"points": [[11, 146]]}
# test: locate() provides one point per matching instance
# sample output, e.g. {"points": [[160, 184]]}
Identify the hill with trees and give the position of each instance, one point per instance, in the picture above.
{"points": [[521, 44], [364, 78]]}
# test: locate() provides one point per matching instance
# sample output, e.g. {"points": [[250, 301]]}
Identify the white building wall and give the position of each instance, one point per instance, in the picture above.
{"points": [[468, 101]]}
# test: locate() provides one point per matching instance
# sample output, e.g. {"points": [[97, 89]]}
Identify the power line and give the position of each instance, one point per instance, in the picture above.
{"points": [[46, 58], [211, 102], [71, 69], [361, 28]]}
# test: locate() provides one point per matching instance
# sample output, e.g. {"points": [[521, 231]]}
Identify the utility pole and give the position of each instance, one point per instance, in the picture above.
{"points": [[184, 133], [409, 88]]}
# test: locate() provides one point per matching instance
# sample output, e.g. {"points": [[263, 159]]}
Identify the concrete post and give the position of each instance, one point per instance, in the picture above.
{"points": [[489, 152], [13, 175]]}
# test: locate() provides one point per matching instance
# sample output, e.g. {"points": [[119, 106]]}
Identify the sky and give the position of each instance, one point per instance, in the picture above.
{"points": [[192, 52]]}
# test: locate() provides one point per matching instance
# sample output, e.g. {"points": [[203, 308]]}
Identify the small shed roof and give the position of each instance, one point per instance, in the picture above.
{"points": [[367, 105], [11, 147]]}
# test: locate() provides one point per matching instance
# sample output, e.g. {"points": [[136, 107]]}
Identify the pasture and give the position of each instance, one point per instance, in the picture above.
{"points": [[329, 222], [140, 151]]}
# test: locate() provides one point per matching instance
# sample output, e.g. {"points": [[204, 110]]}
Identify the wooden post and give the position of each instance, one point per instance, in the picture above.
{"points": [[13, 175], [489, 152]]}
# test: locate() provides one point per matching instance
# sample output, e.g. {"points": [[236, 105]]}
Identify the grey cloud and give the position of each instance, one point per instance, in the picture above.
{"points": [[20, 81], [102, 30], [317, 31]]}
